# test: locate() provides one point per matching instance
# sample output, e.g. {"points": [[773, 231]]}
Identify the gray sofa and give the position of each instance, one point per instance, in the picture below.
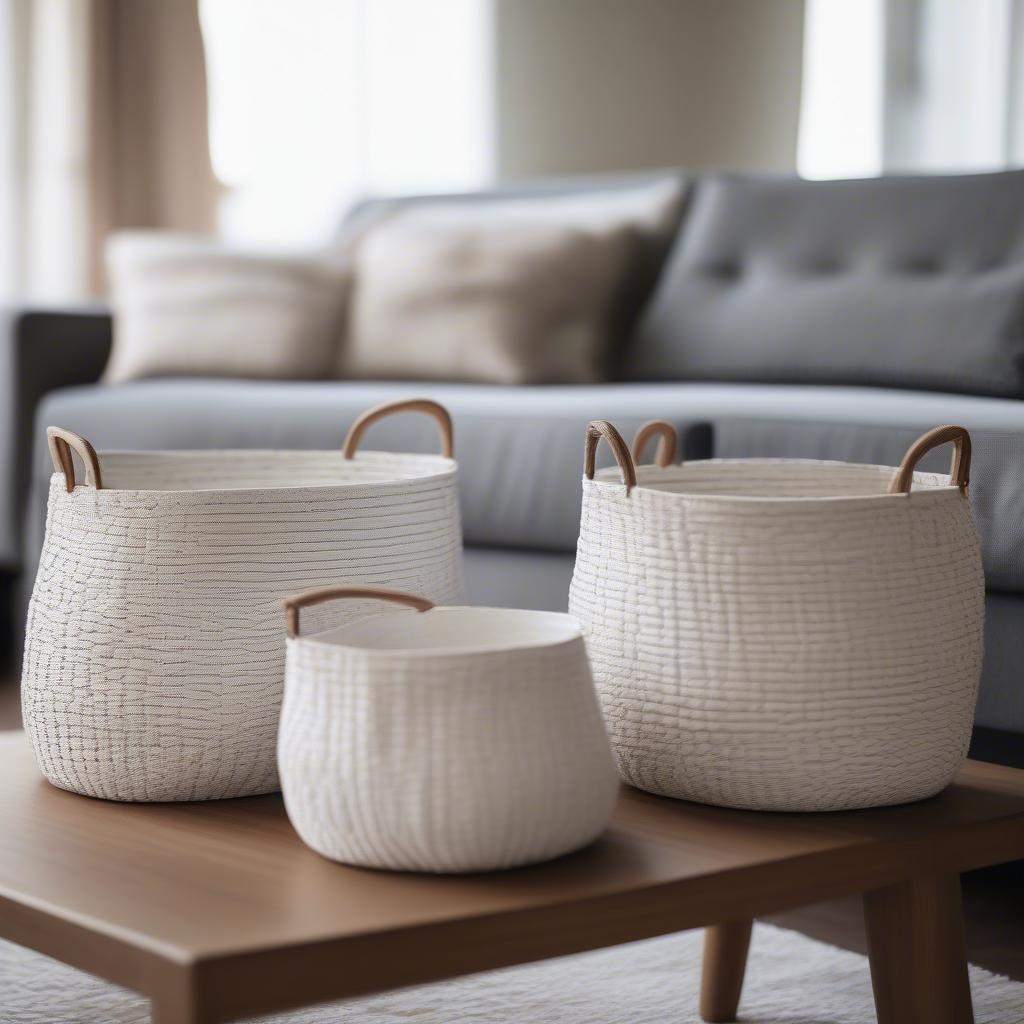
{"points": [[834, 320]]}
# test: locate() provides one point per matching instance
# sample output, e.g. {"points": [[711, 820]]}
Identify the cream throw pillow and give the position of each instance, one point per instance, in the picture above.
{"points": [[189, 306], [512, 291]]}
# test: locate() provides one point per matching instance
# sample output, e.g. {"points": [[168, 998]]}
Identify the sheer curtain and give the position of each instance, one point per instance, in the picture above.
{"points": [[104, 120], [103, 124], [43, 146], [912, 86]]}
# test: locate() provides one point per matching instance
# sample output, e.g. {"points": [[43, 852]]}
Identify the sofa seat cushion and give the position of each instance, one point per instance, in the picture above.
{"points": [[904, 282], [514, 578], [520, 450], [1001, 697]]}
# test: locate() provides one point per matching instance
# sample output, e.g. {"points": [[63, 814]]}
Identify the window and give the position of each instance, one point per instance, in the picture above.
{"points": [[841, 109], [911, 86], [314, 103]]}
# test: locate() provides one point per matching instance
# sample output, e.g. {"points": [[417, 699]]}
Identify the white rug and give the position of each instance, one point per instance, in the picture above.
{"points": [[790, 980]]}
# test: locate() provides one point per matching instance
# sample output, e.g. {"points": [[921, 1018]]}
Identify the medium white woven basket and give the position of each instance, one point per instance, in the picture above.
{"points": [[445, 739], [154, 660], [782, 634]]}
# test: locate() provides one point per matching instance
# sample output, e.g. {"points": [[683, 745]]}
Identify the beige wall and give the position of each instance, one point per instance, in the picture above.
{"points": [[609, 85]]}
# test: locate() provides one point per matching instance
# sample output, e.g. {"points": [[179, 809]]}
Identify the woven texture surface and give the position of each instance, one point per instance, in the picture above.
{"points": [[804, 654], [154, 656], [790, 980], [444, 762]]}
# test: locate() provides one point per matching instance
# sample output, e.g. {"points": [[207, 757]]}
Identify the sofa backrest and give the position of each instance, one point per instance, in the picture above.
{"points": [[913, 282]]}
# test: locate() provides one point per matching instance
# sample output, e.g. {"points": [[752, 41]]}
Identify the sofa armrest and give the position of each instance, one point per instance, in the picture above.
{"points": [[40, 350]]}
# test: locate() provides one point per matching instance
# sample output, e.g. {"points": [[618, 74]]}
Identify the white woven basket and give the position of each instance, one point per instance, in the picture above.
{"points": [[446, 739], [154, 660], [782, 634]]}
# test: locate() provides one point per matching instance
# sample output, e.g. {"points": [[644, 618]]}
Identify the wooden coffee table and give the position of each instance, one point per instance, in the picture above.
{"points": [[217, 911]]}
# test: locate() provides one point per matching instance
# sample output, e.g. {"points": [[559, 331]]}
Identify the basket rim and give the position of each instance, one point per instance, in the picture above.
{"points": [[442, 468], [574, 636], [928, 483]]}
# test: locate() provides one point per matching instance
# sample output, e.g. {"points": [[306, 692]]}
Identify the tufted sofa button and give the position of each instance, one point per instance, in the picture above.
{"points": [[724, 270], [922, 265], [824, 267]]}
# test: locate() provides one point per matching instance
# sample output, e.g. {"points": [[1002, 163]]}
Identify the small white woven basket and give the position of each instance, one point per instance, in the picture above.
{"points": [[444, 739], [782, 634], [154, 660]]}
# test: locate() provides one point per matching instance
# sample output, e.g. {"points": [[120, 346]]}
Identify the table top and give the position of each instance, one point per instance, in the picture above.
{"points": [[112, 887]]}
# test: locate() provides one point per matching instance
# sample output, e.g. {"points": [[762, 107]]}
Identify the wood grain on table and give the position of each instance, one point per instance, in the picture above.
{"points": [[225, 895]]}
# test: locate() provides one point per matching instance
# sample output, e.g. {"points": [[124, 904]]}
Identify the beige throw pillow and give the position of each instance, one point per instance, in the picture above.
{"points": [[188, 306], [512, 291]]}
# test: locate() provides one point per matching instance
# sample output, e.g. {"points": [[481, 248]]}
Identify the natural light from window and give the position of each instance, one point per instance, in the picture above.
{"points": [[841, 109], [315, 103]]}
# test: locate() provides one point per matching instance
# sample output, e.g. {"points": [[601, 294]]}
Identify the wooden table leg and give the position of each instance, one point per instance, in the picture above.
{"points": [[172, 1011], [725, 960], [918, 958], [173, 999]]}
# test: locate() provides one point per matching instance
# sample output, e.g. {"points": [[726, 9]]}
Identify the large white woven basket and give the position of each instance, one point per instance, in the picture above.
{"points": [[154, 659], [445, 739], [782, 634]]}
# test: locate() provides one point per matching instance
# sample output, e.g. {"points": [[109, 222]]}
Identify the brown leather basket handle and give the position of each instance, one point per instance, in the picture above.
{"points": [[371, 416], [668, 442], [293, 605], [61, 443], [597, 429], [960, 471]]}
